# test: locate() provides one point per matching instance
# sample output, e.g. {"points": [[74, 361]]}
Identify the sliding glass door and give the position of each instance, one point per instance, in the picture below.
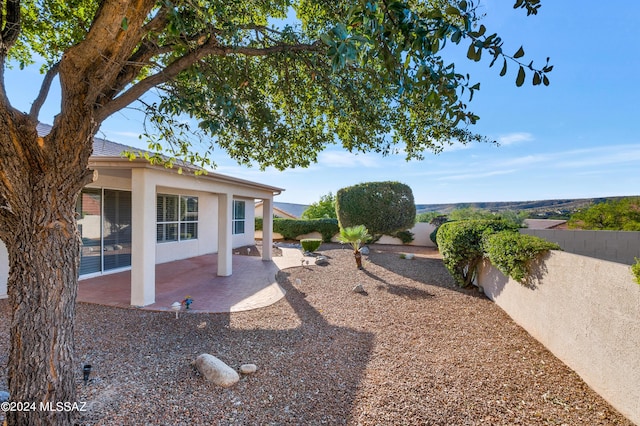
{"points": [[105, 227]]}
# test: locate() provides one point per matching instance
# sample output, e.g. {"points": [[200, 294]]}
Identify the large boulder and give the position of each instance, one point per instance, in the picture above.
{"points": [[216, 371]]}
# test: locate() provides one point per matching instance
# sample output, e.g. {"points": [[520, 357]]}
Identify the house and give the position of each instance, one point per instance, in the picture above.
{"points": [[283, 210], [136, 215]]}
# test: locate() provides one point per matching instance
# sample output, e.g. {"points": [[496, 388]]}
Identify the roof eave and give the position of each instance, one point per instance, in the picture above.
{"points": [[120, 162]]}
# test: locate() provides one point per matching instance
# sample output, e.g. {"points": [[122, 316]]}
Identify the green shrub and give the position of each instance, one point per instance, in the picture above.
{"points": [[427, 217], [384, 208], [460, 244], [437, 221], [513, 253], [310, 244], [433, 236], [258, 222], [291, 228], [635, 268], [405, 236]]}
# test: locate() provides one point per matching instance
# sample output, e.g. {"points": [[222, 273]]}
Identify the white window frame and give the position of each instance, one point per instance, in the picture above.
{"points": [[185, 220], [238, 226]]}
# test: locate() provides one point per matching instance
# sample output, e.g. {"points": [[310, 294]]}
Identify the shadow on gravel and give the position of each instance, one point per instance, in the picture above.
{"points": [[422, 270], [309, 371], [399, 290]]}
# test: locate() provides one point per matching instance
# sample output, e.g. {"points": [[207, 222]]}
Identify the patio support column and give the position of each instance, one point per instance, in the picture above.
{"points": [[267, 228], [143, 244], [225, 236]]}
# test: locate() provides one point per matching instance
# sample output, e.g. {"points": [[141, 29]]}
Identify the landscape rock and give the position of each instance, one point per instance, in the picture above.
{"points": [[364, 250], [322, 261], [248, 368], [216, 371], [4, 396], [358, 289]]}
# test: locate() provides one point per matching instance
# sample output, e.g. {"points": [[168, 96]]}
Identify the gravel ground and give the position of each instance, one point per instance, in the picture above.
{"points": [[412, 349]]}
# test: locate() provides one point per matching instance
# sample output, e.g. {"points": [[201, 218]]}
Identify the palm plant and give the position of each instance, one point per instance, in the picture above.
{"points": [[355, 236]]}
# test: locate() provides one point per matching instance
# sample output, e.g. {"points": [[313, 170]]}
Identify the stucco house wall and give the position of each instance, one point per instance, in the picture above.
{"points": [[131, 222]]}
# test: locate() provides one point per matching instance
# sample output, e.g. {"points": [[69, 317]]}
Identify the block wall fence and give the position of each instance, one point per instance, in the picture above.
{"points": [[615, 246], [586, 311]]}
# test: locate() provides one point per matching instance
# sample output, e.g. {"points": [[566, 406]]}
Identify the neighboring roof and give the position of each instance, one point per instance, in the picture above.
{"points": [[106, 150], [291, 209], [543, 223], [101, 147]]}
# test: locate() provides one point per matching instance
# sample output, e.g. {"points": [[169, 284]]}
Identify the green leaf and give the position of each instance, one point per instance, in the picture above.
{"points": [[471, 52], [536, 79], [519, 53], [503, 71], [452, 11], [326, 39], [124, 24], [521, 76]]}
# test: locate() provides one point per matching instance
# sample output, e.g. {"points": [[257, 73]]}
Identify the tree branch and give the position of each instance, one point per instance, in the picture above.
{"points": [[11, 27], [210, 48], [44, 92]]}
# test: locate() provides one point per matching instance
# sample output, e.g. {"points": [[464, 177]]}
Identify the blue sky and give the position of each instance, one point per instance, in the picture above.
{"points": [[576, 138]]}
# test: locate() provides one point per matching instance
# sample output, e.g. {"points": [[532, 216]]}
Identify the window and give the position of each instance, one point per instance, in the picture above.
{"points": [[238, 217], [177, 218]]}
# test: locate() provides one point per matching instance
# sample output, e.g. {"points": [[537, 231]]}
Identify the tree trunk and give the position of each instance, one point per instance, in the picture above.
{"points": [[358, 257], [42, 290], [41, 179]]}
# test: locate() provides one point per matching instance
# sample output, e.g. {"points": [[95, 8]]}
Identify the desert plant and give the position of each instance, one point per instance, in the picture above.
{"points": [[310, 244], [513, 253], [635, 269], [612, 215], [427, 217], [355, 236], [460, 244], [325, 208], [405, 236]]}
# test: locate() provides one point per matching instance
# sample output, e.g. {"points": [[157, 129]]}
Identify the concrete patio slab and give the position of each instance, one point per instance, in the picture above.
{"points": [[252, 285]]}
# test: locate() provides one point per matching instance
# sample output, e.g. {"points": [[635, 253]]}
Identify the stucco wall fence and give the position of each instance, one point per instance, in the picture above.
{"points": [[421, 232], [587, 312], [615, 246]]}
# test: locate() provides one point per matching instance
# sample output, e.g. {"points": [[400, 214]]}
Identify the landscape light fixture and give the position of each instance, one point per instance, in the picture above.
{"points": [[86, 371]]}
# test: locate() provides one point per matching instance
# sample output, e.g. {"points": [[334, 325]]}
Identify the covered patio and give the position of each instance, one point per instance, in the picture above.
{"points": [[251, 286]]}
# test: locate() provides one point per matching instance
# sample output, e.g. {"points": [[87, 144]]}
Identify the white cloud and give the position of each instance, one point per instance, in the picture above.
{"points": [[342, 159], [123, 134], [474, 176], [513, 138]]}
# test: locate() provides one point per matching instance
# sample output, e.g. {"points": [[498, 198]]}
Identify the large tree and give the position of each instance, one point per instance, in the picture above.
{"points": [[368, 75]]}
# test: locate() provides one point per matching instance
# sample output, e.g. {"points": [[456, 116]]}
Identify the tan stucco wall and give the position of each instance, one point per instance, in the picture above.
{"points": [[421, 232], [587, 312]]}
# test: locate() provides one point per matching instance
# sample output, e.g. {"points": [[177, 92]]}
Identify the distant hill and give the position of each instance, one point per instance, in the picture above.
{"points": [[541, 208]]}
